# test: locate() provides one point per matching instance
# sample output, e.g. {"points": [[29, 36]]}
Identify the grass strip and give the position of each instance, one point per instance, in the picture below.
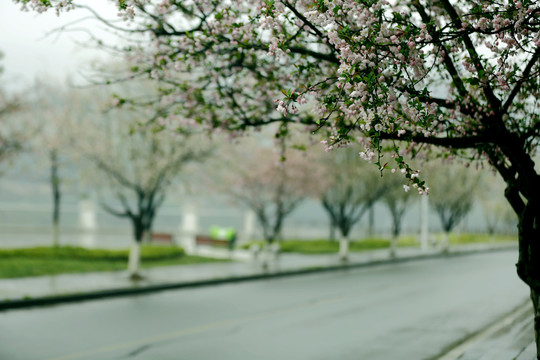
{"points": [[324, 246], [38, 261]]}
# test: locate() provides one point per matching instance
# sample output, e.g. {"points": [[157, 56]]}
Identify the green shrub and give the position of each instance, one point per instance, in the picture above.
{"points": [[309, 246], [329, 247], [469, 238], [408, 241], [40, 261], [148, 252], [369, 244]]}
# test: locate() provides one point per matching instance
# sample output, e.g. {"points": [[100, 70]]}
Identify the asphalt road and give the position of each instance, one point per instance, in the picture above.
{"points": [[409, 311]]}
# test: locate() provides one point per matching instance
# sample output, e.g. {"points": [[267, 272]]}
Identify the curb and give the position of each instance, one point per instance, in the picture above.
{"points": [[456, 351], [134, 290]]}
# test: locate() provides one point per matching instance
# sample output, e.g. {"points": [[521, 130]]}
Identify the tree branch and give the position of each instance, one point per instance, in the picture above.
{"points": [[526, 72], [112, 211], [455, 143], [488, 91], [312, 27], [450, 67]]}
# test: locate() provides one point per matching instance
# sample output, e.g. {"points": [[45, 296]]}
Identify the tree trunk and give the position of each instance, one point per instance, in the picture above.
{"points": [[135, 250], [529, 258], [344, 248], [138, 229], [134, 261], [56, 234], [55, 184], [371, 220], [535, 297], [266, 255], [393, 247], [445, 242], [397, 216]]}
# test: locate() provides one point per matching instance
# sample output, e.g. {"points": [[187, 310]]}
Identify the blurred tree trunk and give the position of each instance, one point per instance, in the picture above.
{"points": [[344, 248], [56, 193], [371, 220]]}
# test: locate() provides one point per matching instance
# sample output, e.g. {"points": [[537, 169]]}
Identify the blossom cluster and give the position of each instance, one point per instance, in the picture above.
{"points": [[392, 73]]}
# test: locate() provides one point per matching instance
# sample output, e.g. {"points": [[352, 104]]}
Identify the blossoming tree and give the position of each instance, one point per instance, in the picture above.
{"points": [[402, 76], [270, 180]]}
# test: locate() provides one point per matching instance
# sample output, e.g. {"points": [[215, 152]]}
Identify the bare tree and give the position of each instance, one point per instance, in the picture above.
{"points": [[50, 109], [452, 197], [497, 213], [137, 166], [397, 202], [352, 187], [268, 180]]}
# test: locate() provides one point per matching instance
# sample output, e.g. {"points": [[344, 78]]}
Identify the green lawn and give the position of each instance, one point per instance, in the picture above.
{"points": [[38, 261], [323, 246], [479, 238], [328, 247]]}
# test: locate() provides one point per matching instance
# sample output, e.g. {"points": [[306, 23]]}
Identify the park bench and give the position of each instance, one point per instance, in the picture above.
{"points": [[159, 237]]}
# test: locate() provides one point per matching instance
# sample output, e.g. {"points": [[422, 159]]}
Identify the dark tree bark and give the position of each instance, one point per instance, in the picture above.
{"points": [[56, 195], [518, 171]]}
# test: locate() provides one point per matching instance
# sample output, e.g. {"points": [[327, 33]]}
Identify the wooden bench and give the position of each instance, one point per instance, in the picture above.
{"points": [[162, 237], [207, 240]]}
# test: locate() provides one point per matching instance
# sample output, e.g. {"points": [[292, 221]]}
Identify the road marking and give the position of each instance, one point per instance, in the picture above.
{"points": [[196, 329], [459, 350]]}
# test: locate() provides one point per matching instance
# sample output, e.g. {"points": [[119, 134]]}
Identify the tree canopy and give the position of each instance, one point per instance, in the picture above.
{"points": [[458, 74]]}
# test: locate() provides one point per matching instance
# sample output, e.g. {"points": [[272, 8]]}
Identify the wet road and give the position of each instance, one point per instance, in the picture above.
{"points": [[404, 311]]}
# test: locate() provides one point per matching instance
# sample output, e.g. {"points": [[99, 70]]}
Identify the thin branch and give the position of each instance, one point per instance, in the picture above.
{"points": [[114, 212], [448, 142], [450, 67], [116, 175], [524, 76], [488, 91]]}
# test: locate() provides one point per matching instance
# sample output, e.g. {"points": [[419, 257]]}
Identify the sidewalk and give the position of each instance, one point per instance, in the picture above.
{"points": [[508, 338]]}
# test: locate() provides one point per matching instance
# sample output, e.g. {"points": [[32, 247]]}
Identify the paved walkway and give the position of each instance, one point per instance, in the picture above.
{"points": [[510, 340]]}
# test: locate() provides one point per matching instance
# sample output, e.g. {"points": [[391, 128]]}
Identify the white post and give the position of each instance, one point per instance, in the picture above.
{"points": [[87, 214], [424, 230], [188, 229], [87, 222]]}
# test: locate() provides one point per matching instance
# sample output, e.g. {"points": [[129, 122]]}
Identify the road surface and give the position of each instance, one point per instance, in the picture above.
{"points": [[410, 311]]}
